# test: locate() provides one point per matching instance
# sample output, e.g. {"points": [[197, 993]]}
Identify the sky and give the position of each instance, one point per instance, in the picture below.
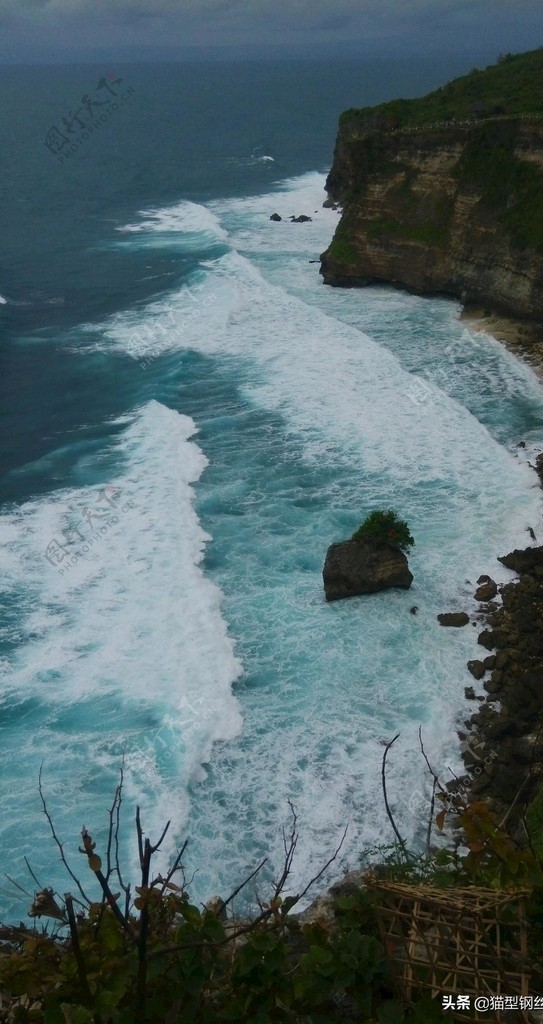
{"points": [[45, 31]]}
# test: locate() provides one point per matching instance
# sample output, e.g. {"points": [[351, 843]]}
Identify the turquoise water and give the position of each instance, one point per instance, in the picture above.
{"points": [[162, 558]]}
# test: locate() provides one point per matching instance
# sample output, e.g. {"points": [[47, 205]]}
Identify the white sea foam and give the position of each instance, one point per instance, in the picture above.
{"points": [[251, 161], [3, 301], [334, 682], [127, 636], [336, 385], [251, 231], [184, 218], [351, 402]]}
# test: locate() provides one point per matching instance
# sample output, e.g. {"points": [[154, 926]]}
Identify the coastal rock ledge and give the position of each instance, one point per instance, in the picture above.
{"points": [[352, 568]]}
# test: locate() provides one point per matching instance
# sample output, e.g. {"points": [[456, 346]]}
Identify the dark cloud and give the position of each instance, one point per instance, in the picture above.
{"points": [[394, 26]]}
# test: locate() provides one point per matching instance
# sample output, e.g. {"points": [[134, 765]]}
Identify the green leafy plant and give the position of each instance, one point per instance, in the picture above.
{"points": [[384, 527], [146, 954]]}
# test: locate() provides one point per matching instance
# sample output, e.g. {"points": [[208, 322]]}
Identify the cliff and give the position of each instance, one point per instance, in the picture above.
{"points": [[452, 208]]}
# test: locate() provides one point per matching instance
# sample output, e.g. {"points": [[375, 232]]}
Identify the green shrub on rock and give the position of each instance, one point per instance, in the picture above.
{"points": [[384, 527]]}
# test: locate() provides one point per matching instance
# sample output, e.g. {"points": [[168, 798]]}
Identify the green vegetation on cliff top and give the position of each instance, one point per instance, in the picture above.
{"points": [[514, 85], [512, 189]]}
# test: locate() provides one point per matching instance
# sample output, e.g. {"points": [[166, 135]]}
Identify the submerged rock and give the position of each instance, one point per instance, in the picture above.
{"points": [[353, 568]]}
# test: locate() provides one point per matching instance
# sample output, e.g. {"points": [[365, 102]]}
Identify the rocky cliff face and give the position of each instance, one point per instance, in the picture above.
{"points": [[454, 210]]}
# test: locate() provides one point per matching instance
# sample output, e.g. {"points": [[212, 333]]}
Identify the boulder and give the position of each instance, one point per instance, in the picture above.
{"points": [[352, 567], [275, 216], [453, 619], [486, 591], [301, 219], [486, 639], [477, 669]]}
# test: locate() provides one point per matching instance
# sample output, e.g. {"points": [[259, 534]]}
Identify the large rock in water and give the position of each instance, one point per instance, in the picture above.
{"points": [[353, 568], [453, 618]]}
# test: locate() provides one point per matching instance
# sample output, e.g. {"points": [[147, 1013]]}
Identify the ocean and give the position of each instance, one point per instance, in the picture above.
{"points": [[190, 417]]}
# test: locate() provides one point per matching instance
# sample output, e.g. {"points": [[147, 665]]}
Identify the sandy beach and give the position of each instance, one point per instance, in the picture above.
{"points": [[521, 337]]}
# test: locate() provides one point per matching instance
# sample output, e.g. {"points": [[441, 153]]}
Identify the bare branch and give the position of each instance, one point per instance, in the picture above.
{"points": [[431, 819], [387, 807], [330, 860], [111, 832], [290, 849], [160, 841], [40, 886], [95, 866], [17, 886], [267, 912], [81, 970], [58, 842], [125, 888], [529, 837], [243, 884], [140, 836], [175, 867], [437, 783], [141, 979], [508, 812]]}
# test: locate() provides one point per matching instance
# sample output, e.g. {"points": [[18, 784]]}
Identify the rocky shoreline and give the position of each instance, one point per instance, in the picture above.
{"points": [[503, 741]]}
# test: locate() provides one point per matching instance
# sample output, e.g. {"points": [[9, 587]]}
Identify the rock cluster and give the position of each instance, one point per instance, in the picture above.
{"points": [[302, 219], [504, 746]]}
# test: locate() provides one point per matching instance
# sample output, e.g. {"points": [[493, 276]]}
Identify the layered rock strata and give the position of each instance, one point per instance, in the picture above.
{"points": [[352, 568], [452, 210]]}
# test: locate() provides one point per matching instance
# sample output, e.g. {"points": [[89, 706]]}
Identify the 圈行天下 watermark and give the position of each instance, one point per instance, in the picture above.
{"points": [[159, 752], [76, 129], [425, 389], [63, 556], [145, 347], [419, 802]]}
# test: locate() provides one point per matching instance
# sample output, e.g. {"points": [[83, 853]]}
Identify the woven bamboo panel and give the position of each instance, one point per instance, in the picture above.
{"points": [[470, 942]]}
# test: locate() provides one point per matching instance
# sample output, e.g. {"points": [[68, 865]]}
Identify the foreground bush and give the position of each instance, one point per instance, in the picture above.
{"points": [[153, 957], [156, 957]]}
